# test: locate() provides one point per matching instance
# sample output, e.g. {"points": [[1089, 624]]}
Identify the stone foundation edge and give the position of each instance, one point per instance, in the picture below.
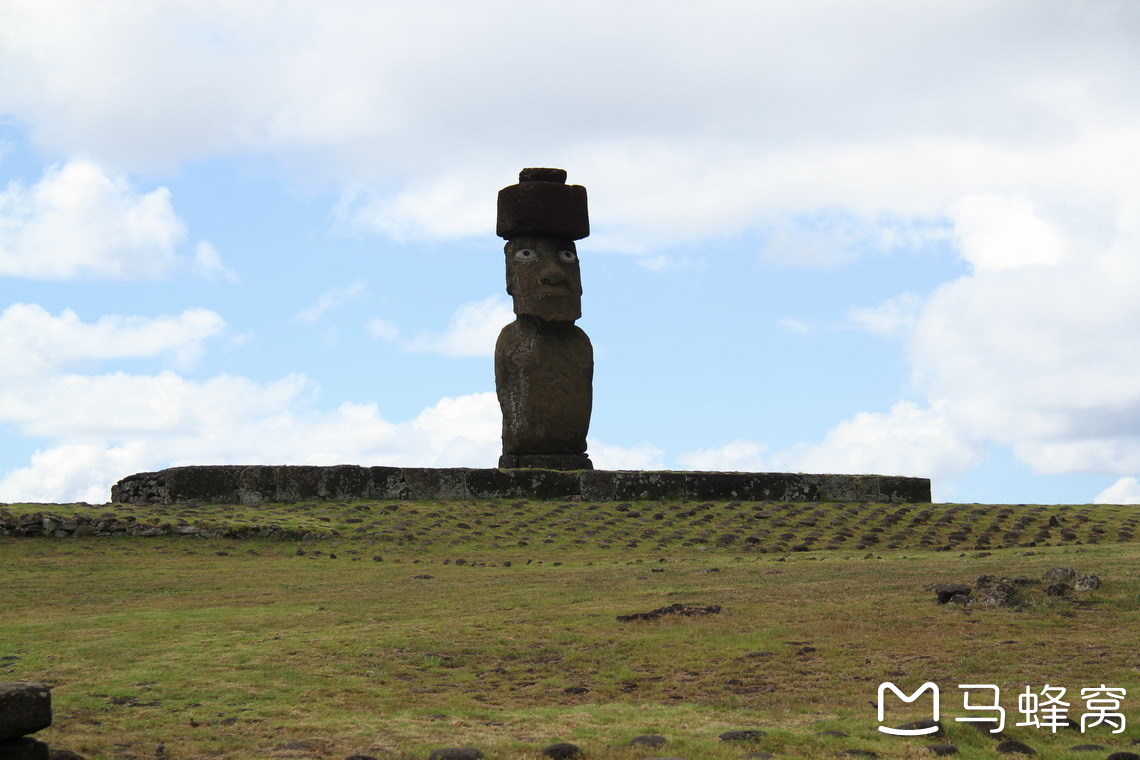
{"points": [[258, 484]]}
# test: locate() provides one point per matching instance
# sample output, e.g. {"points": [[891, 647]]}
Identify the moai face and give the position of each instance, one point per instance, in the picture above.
{"points": [[544, 278]]}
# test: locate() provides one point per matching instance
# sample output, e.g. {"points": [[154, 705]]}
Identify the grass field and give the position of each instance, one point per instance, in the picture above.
{"points": [[337, 644]]}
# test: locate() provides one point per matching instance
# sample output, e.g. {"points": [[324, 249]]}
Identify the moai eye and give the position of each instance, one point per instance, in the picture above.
{"points": [[524, 254], [568, 256]]}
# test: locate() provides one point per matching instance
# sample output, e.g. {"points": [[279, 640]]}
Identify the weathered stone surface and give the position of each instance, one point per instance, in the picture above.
{"points": [[456, 753], [252, 485], [25, 707], [562, 462], [562, 751], [942, 749], [543, 204], [1059, 575], [1087, 582], [648, 740], [743, 735], [544, 364], [24, 748], [544, 378], [679, 610], [63, 754], [947, 591], [1014, 747]]}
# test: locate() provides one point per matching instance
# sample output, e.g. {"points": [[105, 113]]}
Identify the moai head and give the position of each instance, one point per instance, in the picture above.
{"points": [[541, 217]]}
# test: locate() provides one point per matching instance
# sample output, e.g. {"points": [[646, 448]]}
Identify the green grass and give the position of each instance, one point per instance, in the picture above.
{"points": [[236, 648]]}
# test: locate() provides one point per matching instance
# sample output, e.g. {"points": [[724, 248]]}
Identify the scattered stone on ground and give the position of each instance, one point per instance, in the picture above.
{"points": [[1059, 574], [683, 610], [1123, 756], [456, 753], [648, 740], [562, 751], [1087, 748], [1014, 747], [744, 735], [1087, 582], [858, 753], [942, 749], [993, 591]]}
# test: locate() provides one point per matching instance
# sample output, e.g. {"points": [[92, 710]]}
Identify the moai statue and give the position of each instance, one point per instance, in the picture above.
{"points": [[544, 363]]}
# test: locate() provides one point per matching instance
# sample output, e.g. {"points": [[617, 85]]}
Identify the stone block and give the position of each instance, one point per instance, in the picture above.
{"points": [[631, 485], [25, 707], [435, 483], [24, 748]]}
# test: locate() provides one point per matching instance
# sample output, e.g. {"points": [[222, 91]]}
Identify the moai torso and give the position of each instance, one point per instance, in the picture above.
{"points": [[544, 363]]}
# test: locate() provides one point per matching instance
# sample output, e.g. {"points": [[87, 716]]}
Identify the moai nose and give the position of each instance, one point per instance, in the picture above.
{"points": [[552, 276]]}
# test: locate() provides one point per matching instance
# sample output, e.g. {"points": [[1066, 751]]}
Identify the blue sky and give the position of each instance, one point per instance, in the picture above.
{"points": [[880, 237]]}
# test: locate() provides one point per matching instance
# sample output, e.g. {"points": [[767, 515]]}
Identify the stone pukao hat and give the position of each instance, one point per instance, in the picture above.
{"points": [[543, 205]]}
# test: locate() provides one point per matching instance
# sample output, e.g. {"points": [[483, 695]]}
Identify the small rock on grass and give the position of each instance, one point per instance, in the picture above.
{"points": [[456, 753], [942, 749], [648, 740], [1087, 748], [563, 751], [1123, 756], [1014, 747], [64, 754], [746, 735]]}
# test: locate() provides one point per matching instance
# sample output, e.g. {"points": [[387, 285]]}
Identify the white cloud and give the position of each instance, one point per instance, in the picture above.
{"points": [[330, 299], [643, 456], [471, 331], [736, 456], [208, 264], [891, 317], [996, 233], [38, 343], [1042, 358], [114, 425], [742, 117], [80, 222], [383, 329], [1123, 491], [908, 440]]}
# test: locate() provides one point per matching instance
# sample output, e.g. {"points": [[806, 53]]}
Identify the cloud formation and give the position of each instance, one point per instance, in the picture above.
{"points": [[79, 222]]}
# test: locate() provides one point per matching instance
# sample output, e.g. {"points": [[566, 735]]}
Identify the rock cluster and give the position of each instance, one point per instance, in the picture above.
{"points": [[682, 610], [995, 591]]}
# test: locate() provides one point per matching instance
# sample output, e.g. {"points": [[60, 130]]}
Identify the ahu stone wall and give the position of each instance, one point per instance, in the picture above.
{"points": [[257, 484]]}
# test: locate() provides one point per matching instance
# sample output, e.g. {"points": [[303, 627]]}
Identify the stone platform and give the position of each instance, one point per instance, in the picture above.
{"points": [[257, 484]]}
